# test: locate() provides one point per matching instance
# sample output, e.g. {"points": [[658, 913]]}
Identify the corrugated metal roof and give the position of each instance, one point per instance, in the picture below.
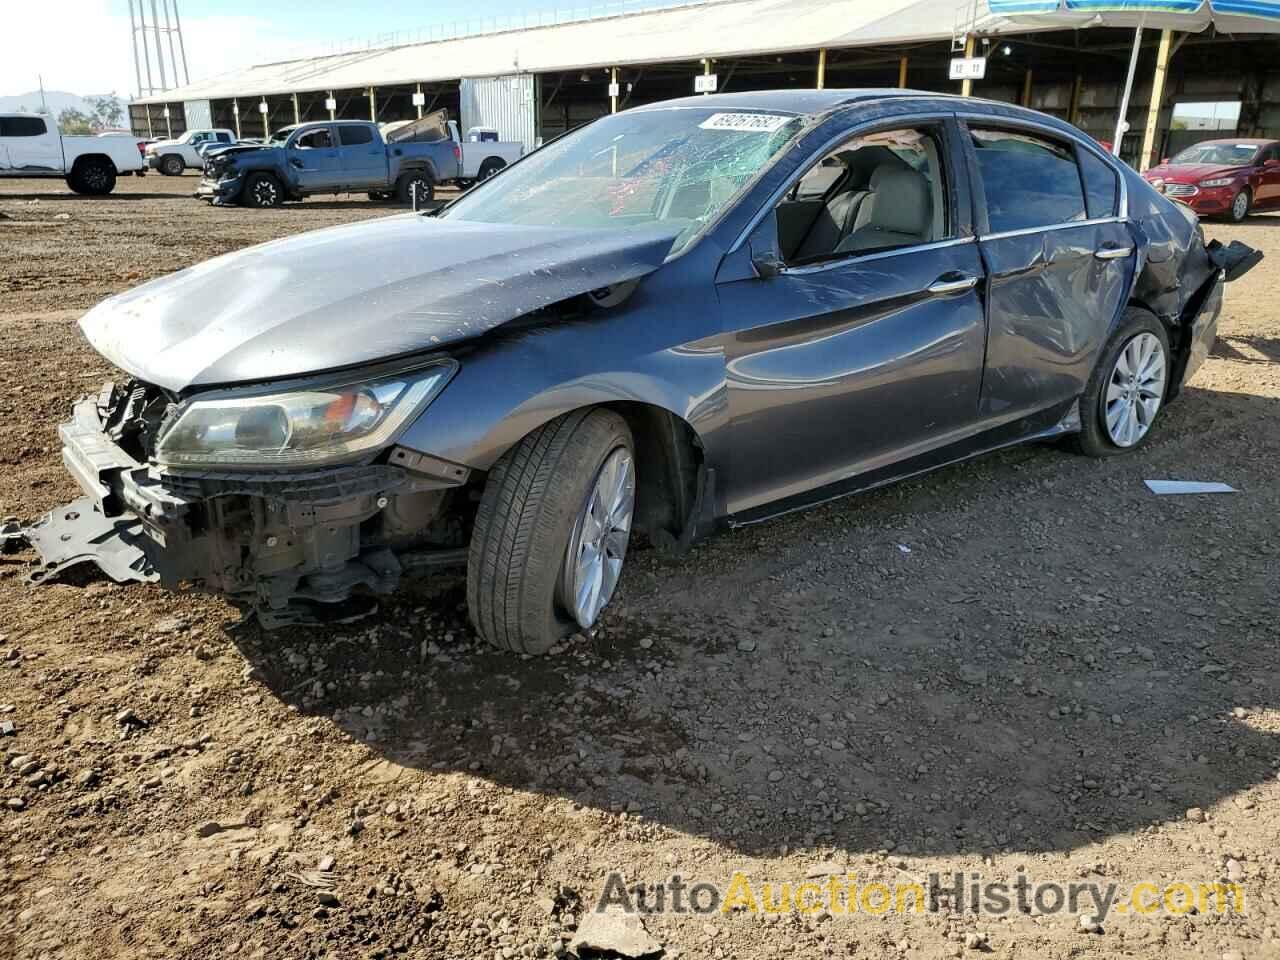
{"points": [[727, 28]]}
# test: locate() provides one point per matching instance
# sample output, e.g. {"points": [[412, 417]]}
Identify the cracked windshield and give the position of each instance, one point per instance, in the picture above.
{"points": [[678, 166]]}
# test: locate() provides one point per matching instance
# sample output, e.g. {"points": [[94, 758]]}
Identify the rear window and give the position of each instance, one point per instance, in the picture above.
{"points": [[22, 127], [1029, 181], [354, 136]]}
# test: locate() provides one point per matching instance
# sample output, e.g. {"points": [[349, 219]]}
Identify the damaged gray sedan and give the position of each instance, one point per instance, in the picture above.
{"points": [[698, 313]]}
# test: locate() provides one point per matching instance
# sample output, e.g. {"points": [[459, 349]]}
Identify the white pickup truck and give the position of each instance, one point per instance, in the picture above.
{"points": [[483, 154], [171, 157], [31, 146]]}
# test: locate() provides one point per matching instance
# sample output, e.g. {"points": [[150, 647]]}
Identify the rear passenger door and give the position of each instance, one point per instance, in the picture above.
{"points": [[363, 159], [1059, 261]]}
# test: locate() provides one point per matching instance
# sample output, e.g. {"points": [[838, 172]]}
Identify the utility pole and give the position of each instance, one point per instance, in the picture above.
{"points": [[155, 28], [133, 32]]}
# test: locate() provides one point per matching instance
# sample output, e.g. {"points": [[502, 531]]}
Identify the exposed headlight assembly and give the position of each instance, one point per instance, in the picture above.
{"points": [[322, 421], [1218, 182]]}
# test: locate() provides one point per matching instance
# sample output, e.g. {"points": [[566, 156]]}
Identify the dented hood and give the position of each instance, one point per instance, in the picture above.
{"points": [[356, 294]]}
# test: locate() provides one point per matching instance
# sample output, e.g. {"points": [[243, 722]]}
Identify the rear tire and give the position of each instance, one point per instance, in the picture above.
{"points": [[172, 165], [262, 190], [1138, 382], [490, 166], [532, 507], [418, 182], [92, 177]]}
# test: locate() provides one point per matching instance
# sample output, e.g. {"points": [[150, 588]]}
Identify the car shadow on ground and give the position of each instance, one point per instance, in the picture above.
{"points": [[854, 698], [1246, 349]]}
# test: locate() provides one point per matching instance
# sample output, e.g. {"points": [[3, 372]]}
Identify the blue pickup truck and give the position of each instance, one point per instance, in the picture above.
{"points": [[341, 156]]}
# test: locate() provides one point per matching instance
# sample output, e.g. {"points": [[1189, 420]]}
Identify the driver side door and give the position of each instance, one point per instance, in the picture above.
{"points": [[313, 155]]}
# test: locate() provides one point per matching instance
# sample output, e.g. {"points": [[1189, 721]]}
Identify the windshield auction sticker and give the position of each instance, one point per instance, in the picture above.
{"points": [[744, 122]]}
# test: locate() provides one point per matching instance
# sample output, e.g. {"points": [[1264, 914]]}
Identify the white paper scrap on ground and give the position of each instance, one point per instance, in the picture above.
{"points": [[1165, 487]]}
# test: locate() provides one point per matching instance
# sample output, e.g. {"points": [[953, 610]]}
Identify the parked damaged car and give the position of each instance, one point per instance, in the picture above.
{"points": [[689, 315]]}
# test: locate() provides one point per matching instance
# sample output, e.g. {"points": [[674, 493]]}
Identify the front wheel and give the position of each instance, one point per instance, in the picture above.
{"points": [[490, 166], [551, 532], [1240, 205], [1119, 406], [263, 190], [172, 165]]}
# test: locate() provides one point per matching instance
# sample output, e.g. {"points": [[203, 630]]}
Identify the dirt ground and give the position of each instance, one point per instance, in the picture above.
{"points": [[1026, 665]]}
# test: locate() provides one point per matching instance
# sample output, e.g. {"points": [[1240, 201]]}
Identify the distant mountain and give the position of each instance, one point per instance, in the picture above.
{"points": [[57, 101]]}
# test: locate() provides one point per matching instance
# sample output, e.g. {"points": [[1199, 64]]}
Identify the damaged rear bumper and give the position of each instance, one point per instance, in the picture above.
{"points": [[285, 545]]}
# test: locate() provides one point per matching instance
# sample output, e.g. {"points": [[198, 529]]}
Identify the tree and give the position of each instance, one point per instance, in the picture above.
{"points": [[74, 122], [107, 112]]}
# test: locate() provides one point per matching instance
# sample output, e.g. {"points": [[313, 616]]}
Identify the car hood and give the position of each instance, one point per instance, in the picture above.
{"points": [[1191, 172], [356, 294]]}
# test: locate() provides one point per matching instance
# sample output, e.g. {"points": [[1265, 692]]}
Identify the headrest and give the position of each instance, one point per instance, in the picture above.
{"points": [[900, 201]]}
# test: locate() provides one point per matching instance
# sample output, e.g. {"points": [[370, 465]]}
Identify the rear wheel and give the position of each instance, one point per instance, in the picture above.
{"points": [[1240, 204], [263, 190], [551, 532], [490, 166], [416, 183], [93, 177], [171, 165], [1127, 389]]}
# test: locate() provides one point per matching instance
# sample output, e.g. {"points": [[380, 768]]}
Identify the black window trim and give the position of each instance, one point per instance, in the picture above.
{"points": [[1019, 124], [944, 126]]}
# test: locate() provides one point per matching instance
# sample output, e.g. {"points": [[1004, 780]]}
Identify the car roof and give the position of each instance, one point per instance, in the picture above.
{"points": [[807, 103]]}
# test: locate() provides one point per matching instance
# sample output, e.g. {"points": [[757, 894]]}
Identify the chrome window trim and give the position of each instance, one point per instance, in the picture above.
{"points": [[849, 133], [853, 259], [1027, 231], [1080, 142]]}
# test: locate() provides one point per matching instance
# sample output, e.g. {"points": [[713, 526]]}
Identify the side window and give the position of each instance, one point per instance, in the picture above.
{"points": [[1099, 185], [354, 136], [224, 138], [22, 127], [314, 139], [875, 192], [1029, 181]]}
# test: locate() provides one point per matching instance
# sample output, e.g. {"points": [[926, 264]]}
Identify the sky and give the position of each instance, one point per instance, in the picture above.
{"points": [[85, 47]]}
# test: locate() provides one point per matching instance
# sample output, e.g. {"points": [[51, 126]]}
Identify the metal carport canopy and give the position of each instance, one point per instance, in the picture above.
{"points": [[720, 29]]}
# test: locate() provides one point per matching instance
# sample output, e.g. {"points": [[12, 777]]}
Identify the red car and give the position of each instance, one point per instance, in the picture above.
{"points": [[1222, 178]]}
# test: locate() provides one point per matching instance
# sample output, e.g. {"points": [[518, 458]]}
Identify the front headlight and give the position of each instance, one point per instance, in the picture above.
{"points": [[323, 421], [1217, 182]]}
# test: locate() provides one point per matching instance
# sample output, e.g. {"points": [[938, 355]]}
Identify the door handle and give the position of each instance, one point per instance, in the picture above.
{"points": [[952, 283], [1112, 253]]}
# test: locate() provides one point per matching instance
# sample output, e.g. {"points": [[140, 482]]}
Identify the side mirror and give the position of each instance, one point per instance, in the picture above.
{"points": [[767, 265]]}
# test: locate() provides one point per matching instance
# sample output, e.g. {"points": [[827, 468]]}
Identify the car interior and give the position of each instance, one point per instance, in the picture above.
{"points": [[877, 192]]}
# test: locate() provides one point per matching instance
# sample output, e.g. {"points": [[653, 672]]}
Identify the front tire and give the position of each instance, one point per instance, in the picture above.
{"points": [[1240, 205], [172, 165], [263, 190], [1128, 388], [551, 532], [490, 166]]}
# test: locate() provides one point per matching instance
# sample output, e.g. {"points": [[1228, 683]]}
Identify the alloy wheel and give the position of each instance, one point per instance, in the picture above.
{"points": [[95, 177], [1240, 206], [1135, 389], [264, 193], [598, 545]]}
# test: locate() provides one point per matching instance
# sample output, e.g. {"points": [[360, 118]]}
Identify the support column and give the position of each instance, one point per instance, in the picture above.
{"points": [[902, 74], [333, 114], [1122, 121], [1073, 114], [822, 68], [1149, 139], [966, 86], [420, 97], [235, 111], [297, 115], [373, 105], [1026, 88], [706, 70], [613, 89]]}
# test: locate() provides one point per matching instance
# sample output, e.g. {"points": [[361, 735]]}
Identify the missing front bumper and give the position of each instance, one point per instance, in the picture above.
{"points": [[291, 547]]}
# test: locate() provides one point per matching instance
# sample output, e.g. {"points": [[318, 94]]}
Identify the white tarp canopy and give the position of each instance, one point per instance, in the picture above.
{"points": [[1227, 16], [720, 29]]}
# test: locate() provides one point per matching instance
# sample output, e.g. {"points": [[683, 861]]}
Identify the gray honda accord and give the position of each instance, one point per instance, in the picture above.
{"points": [[695, 314]]}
